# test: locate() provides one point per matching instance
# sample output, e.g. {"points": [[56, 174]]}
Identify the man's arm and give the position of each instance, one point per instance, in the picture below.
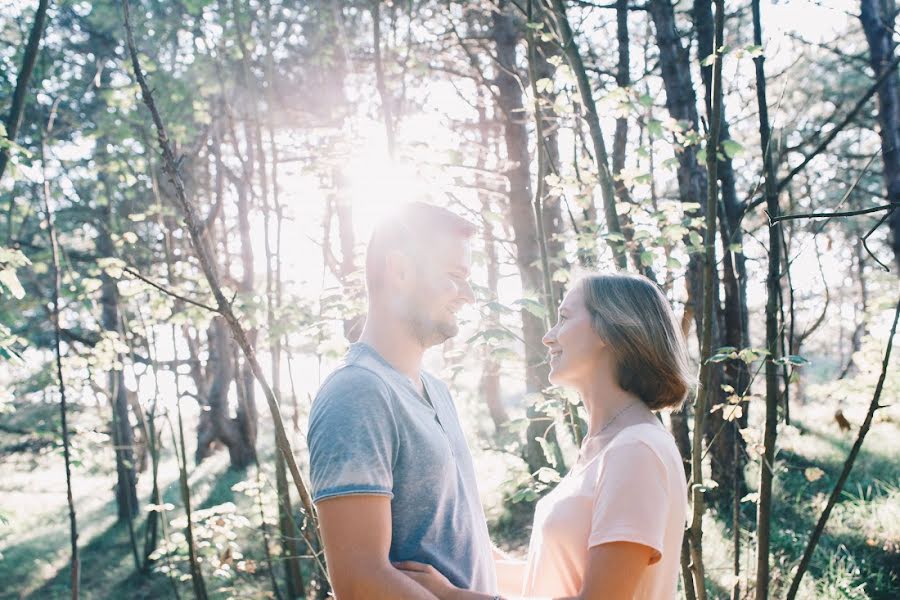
{"points": [[356, 530]]}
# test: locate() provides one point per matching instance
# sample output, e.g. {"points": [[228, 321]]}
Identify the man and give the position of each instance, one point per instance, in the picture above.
{"points": [[392, 476]]}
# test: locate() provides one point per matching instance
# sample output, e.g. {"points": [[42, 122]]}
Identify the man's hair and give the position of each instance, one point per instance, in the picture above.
{"points": [[412, 231]]}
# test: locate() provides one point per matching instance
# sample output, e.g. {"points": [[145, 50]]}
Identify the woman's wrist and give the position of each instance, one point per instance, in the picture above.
{"points": [[459, 594]]}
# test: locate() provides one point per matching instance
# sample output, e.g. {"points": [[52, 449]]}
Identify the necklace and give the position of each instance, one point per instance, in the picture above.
{"points": [[615, 416]]}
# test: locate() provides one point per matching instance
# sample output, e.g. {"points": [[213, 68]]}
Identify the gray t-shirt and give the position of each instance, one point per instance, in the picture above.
{"points": [[371, 432]]}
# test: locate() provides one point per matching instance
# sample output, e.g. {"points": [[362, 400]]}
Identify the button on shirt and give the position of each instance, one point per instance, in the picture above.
{"points": [[371, 432]]}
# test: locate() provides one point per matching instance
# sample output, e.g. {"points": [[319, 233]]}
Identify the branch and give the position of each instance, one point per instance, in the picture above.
{"points": [[831, 135], [848, 464], [167, 291], [848, 213]]}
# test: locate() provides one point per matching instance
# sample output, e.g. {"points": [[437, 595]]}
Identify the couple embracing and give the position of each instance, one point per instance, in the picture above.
{"points": [[392, 476]]}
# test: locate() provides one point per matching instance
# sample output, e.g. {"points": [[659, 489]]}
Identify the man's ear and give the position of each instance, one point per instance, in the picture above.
{"points": [[397, 269]]}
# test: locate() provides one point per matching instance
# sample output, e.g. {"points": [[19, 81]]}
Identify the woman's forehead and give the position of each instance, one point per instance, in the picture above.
{"points": [[574, 298]]}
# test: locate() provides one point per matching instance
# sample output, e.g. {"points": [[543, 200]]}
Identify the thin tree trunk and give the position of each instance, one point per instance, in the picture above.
{"points": [[693, 183], [709, 280], [290, 553], [767, 473], [75, 579], [386, 111], [726, 445], [17, 109], [490, 374], [607, 187], [506, 35], [877, 17], [122, 434], [199, 585]]}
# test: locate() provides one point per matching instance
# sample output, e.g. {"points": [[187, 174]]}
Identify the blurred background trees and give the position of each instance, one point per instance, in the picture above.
{"points": [[575, 141]]}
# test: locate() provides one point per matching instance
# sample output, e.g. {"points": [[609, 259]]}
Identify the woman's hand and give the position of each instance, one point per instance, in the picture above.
{"points": [[428, 577]]}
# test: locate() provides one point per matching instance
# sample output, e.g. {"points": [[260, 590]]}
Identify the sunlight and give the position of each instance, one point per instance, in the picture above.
{"points": [[378, 185]]}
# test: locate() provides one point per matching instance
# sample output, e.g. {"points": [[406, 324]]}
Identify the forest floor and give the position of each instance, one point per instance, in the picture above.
{"points": [[858, 557]]}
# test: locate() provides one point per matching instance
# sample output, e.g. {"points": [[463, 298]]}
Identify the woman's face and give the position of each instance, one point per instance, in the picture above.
{"points": [[575, 348]]}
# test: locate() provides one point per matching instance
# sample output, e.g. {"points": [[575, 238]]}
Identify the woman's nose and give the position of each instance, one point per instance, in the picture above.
{"points": [[549, 337]]}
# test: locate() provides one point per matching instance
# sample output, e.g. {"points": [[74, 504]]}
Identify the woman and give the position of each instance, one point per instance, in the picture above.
{"points": [[612, 529]]}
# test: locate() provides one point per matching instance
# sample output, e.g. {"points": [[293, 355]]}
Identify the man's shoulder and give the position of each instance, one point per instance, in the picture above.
{"points": [[436, 383], [353, 379]]}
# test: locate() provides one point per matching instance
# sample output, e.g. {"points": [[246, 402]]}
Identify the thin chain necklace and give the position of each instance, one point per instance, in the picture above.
{"points": [[611, 421]]}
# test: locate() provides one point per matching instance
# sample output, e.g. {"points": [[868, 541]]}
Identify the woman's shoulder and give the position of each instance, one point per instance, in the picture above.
{"points": [[650, 435]]}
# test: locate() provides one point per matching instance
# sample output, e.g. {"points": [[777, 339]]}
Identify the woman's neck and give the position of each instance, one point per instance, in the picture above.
{"points": [[605, 402]]}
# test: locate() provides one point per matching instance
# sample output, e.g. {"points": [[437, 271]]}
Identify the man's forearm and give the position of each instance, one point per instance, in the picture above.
{"points": [[378, 583]]}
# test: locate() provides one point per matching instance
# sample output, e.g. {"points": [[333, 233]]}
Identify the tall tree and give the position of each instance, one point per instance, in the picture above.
{"points": [[23, 79], [767, 466], [507, 34], [878, 17]]}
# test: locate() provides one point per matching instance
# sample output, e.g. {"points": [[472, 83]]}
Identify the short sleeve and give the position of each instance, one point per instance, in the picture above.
{"points": [[631, 498], [352, 436]]}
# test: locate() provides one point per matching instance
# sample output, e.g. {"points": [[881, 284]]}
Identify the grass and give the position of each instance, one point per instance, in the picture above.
{"points": [[858, 557]]}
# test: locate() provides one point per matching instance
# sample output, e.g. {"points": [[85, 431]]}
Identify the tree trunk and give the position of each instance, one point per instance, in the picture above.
{"points": [[585, 91], [122, 433], [877, 18], [14, 118], [490, 374], [767, 473], [506, 34], [727, 453]]}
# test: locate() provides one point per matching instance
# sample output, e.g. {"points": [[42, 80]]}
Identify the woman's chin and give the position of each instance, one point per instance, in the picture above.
{"points": [[555, 377]]}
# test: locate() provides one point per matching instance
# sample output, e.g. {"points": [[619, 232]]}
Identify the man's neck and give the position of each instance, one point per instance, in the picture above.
{"points": [[396, 345]]}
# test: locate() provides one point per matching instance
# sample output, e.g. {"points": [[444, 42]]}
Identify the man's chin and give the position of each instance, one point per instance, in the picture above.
{"points": [[443, 332]]}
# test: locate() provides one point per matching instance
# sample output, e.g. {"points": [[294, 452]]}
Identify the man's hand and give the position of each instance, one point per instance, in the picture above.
{"points": [[429, 578], [356, 531]]}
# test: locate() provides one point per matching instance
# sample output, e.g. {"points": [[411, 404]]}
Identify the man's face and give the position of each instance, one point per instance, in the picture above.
{"points": [[441, 287]]}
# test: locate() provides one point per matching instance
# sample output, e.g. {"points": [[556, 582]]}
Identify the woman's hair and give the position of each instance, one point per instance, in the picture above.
{"points": [[632, 316]]}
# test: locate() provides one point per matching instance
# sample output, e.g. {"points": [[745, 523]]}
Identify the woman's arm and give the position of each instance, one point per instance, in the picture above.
{"points": [[613, 572]]}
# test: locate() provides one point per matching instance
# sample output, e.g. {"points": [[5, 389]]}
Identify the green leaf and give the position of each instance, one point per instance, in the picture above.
{"points": [[499, 307], [646, 258], [709, 60], [753, 50], [9, 280], [548, 451], [547, 475], [673, 263], [731, 148], [532, 306]]}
